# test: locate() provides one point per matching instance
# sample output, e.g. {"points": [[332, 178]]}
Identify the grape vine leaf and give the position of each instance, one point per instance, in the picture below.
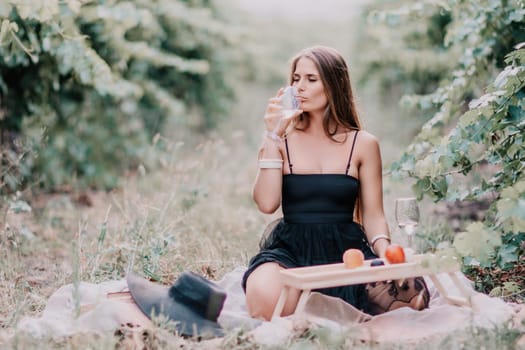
{"points": [[479, 242]]}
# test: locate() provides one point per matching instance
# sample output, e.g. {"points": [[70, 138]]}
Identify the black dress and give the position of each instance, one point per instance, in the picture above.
{"points": [[317, 227]]}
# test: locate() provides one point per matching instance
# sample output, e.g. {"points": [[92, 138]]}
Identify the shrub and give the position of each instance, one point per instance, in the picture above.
{"points": [[87, 84]]}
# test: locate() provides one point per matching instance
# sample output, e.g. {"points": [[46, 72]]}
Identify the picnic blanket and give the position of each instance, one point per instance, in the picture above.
{"points": [[87, 308]]}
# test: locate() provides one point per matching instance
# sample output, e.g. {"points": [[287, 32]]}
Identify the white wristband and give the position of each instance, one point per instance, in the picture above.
{"points": [[271, 164], [377, 238]]}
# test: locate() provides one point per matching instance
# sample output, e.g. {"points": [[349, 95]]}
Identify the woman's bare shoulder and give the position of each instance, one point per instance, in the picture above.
{"points": [[365, 138], [367, 148]]}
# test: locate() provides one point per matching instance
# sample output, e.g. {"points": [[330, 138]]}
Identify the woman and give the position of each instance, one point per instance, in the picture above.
{"points": [[327, 173]]}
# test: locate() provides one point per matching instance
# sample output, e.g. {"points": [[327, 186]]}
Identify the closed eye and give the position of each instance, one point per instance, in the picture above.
{"points": [[310, 77]]}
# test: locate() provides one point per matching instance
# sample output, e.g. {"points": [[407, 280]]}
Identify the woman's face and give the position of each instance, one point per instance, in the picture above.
{"points": [[310, 88]]}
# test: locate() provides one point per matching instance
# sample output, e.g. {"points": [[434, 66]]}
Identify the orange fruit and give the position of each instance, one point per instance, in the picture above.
{"points": [[395, 254], [353, 258]]}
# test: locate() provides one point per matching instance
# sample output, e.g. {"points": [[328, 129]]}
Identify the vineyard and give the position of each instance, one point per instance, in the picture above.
{"points": [[128, 131], [86, 86], [461, 66]]}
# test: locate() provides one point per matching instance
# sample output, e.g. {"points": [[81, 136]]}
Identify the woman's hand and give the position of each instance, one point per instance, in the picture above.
{"points": [[273, 117]]}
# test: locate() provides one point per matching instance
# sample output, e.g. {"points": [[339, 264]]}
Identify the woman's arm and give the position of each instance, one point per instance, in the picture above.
{"points": [[268, 183], [371, 182]]}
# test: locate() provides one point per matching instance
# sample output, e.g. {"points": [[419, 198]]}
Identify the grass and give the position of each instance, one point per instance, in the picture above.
{"points": [[193, 214]]}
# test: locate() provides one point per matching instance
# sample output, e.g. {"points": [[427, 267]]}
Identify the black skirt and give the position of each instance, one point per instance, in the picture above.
{"points": [[306, 244]]}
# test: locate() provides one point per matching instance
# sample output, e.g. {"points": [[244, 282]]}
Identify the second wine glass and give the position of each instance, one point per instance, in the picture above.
{"points": [[407, 216]]}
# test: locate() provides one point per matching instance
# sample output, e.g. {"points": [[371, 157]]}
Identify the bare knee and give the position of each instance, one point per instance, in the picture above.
{"points": [[261, 296], [263, 289]]}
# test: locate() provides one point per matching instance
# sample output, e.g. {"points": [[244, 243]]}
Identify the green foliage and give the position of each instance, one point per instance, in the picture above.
{"points": [[87, 84], [413, 54], [472, 145], [477, 241]]}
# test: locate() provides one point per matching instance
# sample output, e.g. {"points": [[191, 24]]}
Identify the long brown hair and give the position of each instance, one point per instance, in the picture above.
{"points": [[333, 70], [340, 110]]}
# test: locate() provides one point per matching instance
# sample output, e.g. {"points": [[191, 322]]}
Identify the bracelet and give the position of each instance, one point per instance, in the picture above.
{"points": [[270, 163], [273, 136], [377, 238]]}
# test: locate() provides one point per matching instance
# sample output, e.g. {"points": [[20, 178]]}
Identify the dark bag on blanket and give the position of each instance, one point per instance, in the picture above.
{"points": [[390, 295]]}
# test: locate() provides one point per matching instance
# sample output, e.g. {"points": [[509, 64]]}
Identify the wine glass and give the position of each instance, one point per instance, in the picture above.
{"points": [[289, 101], [407, 216]]}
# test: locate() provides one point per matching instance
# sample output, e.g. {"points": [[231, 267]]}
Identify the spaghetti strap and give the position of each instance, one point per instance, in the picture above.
{"points": [[288, 155], [351, 152]]}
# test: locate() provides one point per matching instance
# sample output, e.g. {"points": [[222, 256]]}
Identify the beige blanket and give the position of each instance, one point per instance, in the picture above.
{"points": [[98, 308]]}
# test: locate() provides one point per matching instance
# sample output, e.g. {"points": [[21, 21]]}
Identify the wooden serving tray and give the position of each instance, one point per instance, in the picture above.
{"points": [[333, 275]]}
